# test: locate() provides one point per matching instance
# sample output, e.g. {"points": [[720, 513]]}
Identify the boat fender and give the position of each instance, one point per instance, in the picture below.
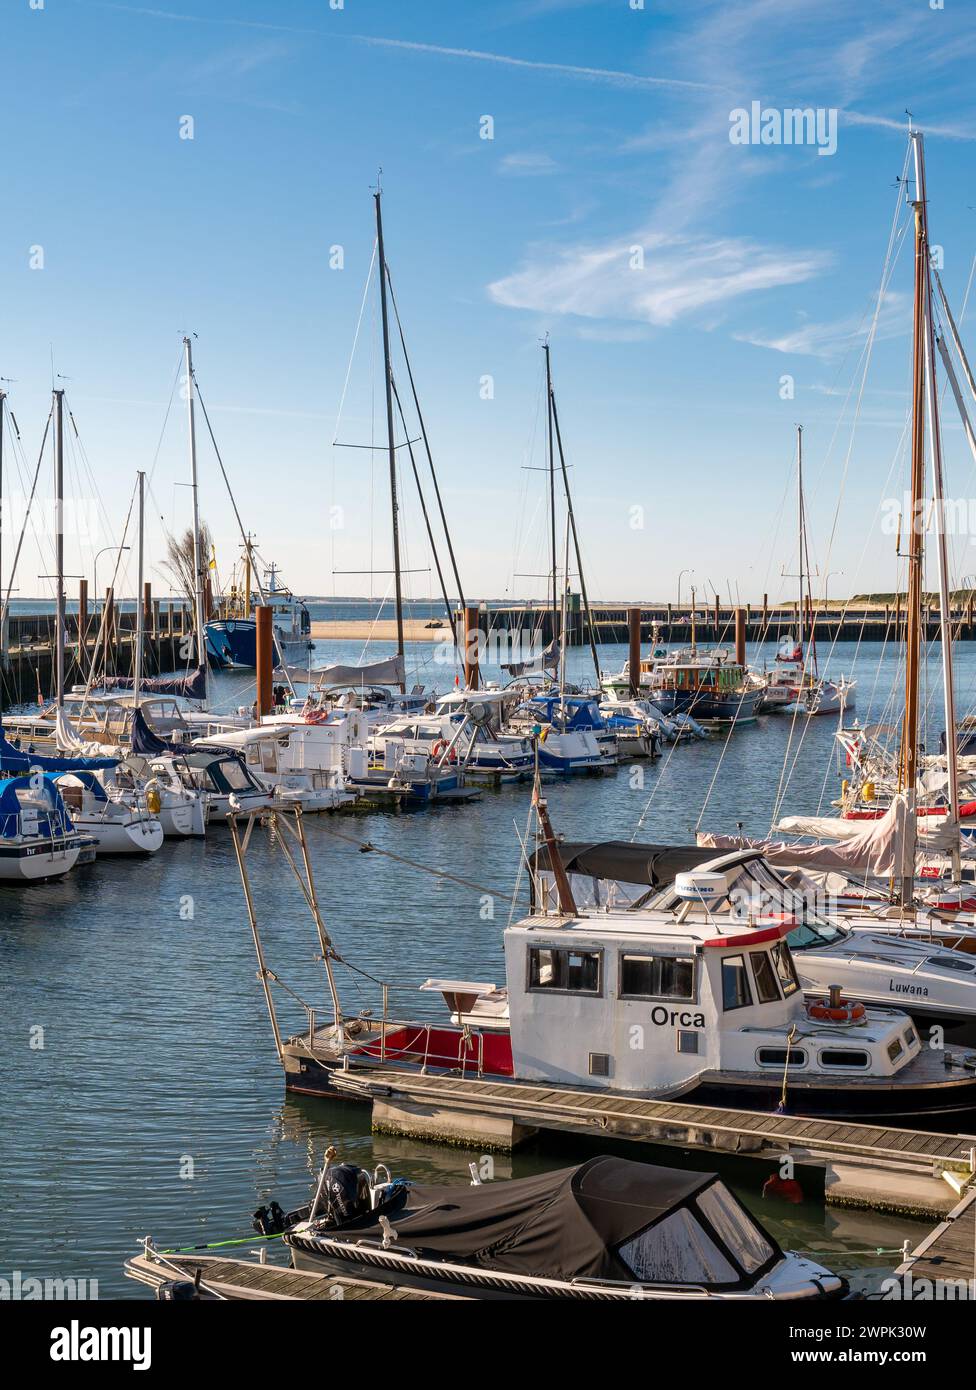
{"points": [[787, 1189]]}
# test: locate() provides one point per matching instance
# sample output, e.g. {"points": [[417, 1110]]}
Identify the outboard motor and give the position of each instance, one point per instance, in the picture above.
{"points": [[346, 1193]]}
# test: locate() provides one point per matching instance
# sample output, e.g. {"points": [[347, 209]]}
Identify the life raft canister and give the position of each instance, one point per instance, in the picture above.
{"points": [[154, 800]]}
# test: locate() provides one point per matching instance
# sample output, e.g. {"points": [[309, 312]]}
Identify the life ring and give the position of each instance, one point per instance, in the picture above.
{"points": [[441, 747], [846, 1011]]}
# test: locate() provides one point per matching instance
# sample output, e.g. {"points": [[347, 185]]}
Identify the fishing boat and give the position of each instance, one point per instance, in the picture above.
{"points": [[708, 983], [232, 637], [37, 837], [713, 687], [606, 1230]]}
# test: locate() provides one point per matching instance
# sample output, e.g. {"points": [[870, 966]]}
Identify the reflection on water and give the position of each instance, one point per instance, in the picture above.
{"points": [[155, 1104]]}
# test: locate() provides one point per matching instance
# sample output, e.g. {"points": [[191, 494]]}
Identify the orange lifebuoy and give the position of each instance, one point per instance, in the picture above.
{"points": [[847, 1011], [441, 747]]}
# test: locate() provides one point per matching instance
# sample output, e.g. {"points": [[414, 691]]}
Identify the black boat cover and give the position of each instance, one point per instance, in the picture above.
{"points": [[191, 687], [145, 741], [625, 862], [562, 1225]]}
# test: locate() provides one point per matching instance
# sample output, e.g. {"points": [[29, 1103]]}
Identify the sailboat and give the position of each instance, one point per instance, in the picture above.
{"points": [[906, 865], [795, 683]]}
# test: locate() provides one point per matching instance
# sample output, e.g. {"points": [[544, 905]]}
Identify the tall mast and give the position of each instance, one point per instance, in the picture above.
{"points": [[59, 546], [3, 602], [140, 608], [552, 489], [938, 497], [390, 437], [576, 545], [198, 619], [799, 505], [908, 763]]}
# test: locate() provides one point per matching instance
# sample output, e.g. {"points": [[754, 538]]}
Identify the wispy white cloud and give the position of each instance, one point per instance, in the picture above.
{"points": [[833, 337], [635, 81], [527, 164], [680, 275]]}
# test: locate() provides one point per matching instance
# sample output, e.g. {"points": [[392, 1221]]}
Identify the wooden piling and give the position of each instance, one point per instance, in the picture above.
{"points": [[264, 657], [634, 644], [472, 639], [740, 636]]}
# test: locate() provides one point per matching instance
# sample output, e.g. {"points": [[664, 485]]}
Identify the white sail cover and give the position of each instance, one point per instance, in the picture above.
{"points": [[388, 672], [875, 848], [68, 741]]}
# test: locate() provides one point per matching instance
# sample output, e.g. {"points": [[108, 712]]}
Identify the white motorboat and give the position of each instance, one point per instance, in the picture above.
{"points": [[295, 762], [114, 820]]}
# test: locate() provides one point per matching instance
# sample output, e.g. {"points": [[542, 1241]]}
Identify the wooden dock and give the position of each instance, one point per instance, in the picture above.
{"points": [[946, 1258], [224, 1278], [918, 1172]]}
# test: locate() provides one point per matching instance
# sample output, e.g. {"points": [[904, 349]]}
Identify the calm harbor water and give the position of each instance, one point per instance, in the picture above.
{"points": [[142, 1093]]}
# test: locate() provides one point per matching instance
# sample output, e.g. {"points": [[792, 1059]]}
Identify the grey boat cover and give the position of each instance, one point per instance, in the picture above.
{"points": [[622, 861], [562, 1225], [388, 672]]}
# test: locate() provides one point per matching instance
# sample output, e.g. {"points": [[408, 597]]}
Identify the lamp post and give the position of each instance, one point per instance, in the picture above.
{"points": [[682, 572], [827, 579], [104, 551]]}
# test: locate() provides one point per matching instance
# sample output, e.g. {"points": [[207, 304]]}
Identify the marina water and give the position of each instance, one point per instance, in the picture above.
{"points": [[141, 1088]]}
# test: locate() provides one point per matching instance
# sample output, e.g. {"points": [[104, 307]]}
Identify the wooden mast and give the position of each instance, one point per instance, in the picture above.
{"points": [[938, 497], [390, 437], [908, 762]]}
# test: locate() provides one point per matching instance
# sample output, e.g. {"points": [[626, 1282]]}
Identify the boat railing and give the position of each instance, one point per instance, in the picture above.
{"points": [[439, 1044]]}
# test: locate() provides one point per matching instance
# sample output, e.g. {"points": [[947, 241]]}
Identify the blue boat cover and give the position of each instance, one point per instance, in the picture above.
{"points": [[10, 806], [19, 760], [146, 742]]}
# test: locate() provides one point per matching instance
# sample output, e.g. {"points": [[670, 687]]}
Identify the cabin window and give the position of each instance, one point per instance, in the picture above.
{"points": [[911, 1037], [844, 1057], [776, 1057], [657, 977], [949, 962], [765, 977], [269, 762], [895, 1050], [736, 993], [574, 972], [688, 1042], [785, 969], [235, 776], [677, 1250], [735, 1228]]}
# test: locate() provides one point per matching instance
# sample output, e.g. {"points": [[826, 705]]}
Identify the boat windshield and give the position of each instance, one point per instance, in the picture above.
{"points": [[815, 931]]}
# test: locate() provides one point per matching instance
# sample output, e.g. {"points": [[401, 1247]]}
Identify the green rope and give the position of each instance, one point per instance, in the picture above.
{"points": [[218, 1244]]}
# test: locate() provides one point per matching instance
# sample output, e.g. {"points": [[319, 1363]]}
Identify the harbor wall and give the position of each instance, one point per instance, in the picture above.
{"points": [[27, 658]]}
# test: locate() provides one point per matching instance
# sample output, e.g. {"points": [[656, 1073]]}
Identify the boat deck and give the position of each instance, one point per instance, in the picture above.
{"points": [[224, 1278], [946, 1254]]}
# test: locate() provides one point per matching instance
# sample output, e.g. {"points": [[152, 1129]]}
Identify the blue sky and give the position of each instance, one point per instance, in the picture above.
{"points": [[611, 130]]}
